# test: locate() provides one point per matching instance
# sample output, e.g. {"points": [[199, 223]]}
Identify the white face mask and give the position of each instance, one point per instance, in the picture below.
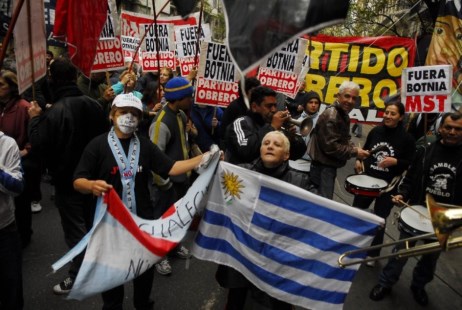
{"points": [[127, 123]]}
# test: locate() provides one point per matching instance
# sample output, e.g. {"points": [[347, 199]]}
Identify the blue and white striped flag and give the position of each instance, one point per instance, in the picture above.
{"points": [[283, 239]]}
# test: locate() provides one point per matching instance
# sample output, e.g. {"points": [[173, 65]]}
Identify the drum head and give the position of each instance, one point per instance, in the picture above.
{"points": [[300, 165], [366, 182], [416, 221]]}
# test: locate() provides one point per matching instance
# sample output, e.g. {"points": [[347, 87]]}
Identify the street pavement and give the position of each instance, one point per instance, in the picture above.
{"points": [[192, 284]]}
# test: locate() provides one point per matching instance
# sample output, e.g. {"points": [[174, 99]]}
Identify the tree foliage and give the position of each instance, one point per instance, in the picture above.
{"points": [[404, 18]]}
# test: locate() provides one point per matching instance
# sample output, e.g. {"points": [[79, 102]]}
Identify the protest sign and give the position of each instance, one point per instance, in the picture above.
{"points": [[427, 89], [109, 54], [281, 70], [163, 48], [30, 45], [186, 41], [131, 31], [375, 64], [217, 76], [110, 28]]}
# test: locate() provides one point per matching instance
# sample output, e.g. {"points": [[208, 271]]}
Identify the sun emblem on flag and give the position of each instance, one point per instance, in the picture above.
{"points": [[232, 185]]}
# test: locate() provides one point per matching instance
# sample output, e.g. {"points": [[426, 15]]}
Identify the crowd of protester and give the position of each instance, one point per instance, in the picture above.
{"points": [[64, 131]]}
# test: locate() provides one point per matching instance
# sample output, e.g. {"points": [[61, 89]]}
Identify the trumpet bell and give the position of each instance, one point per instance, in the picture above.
{"points": [[445, 220]]}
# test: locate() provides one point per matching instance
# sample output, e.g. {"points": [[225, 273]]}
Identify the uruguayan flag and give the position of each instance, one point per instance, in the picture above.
{"points": [[283, 239]]}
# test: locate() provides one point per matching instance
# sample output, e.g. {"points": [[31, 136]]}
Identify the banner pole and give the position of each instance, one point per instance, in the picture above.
{"points": [[144, 36], [31, 49], [6, 39]]}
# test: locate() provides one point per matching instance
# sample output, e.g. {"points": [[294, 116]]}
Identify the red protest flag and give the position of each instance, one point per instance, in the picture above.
{"points": [[79, 24]]}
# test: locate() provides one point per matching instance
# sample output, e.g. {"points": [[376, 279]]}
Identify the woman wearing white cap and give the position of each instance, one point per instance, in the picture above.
{"points": [[101, 168]]}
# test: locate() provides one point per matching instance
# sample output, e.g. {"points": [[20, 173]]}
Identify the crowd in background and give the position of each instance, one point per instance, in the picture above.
{"points": [[61, 131]]}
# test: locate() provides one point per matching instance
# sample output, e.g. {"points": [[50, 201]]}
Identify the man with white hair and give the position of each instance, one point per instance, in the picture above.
{"points": [[330, 145]]}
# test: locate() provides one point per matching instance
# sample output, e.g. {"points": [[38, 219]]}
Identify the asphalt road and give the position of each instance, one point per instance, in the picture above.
{"points": [[192, 284]]}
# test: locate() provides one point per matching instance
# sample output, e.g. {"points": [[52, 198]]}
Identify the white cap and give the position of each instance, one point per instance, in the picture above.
{"points": [[127, 100]]}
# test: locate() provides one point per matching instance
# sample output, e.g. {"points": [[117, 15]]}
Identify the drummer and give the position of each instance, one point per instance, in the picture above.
{"points": [[437, 170], [392, 150]]}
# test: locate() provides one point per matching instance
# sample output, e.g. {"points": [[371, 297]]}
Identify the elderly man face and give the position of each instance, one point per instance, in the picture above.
{"points": [[347, 99]]}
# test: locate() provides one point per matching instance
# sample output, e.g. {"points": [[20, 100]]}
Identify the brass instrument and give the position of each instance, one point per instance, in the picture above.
{"points": [[446, 219], [307, 122]]}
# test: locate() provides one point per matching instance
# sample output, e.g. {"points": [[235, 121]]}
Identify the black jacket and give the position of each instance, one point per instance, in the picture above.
{"points": [[235, 109], [417, 183], [243, 138], [62, 132]]}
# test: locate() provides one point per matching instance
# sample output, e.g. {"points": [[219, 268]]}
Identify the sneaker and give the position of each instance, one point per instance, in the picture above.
{"points": [[182, 252], [64, 287], [420, 296], [35, 207], [379, 292], [163, 267]]}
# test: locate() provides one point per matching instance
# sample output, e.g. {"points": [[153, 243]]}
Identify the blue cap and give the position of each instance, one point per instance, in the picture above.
{"points": [[178, 88]]}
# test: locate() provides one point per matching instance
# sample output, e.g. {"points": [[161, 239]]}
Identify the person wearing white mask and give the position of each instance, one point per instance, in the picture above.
{"points": [[124, 161]]}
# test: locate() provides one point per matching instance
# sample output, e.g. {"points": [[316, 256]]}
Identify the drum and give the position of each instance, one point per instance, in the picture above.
{"points": [[301, 165], [364, 185], [415, 221]]}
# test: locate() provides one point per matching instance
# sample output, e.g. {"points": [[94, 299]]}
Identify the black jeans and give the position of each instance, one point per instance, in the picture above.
{"points": [[23, 213], [142, 286], [322, 178], [11, 294], [423, 271], [382, 208], [77, 212]]}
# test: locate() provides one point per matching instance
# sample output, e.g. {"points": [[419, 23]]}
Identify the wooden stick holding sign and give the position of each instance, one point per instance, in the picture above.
{"points": [[144, 36], [6, 39], [31, 48]]}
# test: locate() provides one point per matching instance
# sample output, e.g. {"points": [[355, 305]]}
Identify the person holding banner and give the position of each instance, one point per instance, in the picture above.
{"points": [[274, 153], [436, 170], [330, 145], [392, 152], [124, 161]]}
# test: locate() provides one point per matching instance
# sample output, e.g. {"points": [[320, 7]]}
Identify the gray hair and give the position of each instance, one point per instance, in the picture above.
{"points": [[285, 140], [347, 85]]}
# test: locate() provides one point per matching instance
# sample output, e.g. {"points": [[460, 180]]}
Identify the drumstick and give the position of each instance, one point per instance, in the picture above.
{"points": [[411, 207], [362, 163]]}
